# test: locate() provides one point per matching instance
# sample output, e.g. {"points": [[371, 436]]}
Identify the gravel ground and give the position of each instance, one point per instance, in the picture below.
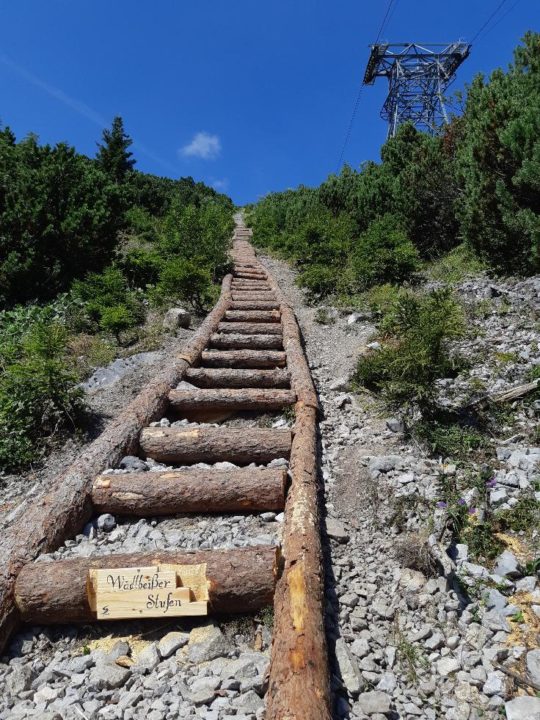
{"points": [[405, 643]]}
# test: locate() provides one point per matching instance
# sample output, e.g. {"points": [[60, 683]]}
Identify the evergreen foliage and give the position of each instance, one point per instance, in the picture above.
{"points": [[499, 163], [114, 156], [85, 246], [477, 181]]}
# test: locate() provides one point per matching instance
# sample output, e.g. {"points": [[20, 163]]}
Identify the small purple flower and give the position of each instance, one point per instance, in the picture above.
{"points": [[472, 511], [441, 504], [491, 483], [461, 501]]}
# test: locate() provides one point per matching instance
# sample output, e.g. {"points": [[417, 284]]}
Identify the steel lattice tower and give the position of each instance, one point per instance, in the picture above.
{"points": [[418, 77]]}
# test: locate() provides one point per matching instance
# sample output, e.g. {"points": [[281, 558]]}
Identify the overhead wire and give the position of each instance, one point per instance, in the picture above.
{"points": [[501, 18], [490, 18], [386, 18]]}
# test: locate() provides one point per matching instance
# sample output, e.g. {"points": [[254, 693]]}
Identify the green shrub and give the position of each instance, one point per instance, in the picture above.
{"points": [[39, 396], [107, 303], [115, 319], [319, 281], [383, 254], [416, 353], [182, 279], [141, 267]]}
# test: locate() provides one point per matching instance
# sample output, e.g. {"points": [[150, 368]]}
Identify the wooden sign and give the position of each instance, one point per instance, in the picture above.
{"points": [[154, 591]]}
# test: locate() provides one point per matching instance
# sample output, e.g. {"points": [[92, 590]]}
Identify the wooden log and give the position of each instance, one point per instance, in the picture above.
{"points": [[190, 491], [235, 399], [299, 685], [253, 295], [230, 378], [240, 581], [301, 379], [253, 316], [250, 274], [215, 444], [247, 282], [244, 358], [509, 395], [64, 507], [246, 342], [255, 305], [248, 328], [259, 287]]}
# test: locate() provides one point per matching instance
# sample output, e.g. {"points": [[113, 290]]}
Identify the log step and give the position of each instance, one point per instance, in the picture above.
{"points": [[236, 399], [215, 444], [252, 287], [248, 282], [239, 581], [254, 305], [246, 342], [255, 297], [250, 274], [231, 378], [145, 494], [244, 358], [253, 316], [247, 328]]}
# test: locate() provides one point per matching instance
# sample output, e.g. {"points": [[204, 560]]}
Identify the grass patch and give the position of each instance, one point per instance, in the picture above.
{"points": [[409, 656], [455, 266], [522, 517], [450, 440]]}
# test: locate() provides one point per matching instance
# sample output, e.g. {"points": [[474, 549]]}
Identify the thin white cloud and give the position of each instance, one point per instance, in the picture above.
{"points": [[220, 184], [203, 145], [77, 106]]}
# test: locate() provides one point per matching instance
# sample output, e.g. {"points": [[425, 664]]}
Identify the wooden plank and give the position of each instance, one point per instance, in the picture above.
{"points": [[146, 592]]}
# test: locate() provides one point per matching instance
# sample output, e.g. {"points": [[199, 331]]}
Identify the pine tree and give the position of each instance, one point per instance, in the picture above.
{"points": [[113, 155]]}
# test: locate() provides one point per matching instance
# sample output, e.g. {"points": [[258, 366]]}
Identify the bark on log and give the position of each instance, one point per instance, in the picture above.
{"points": [[215, 444], [246, 342], [190, 491], [244, 358], [62, 510], [238, 399], [301, 380], [299, 685], [262, 316], [230, 378], [245, 283], [255, 296], [255, 305], [250, 274], [240, 581], [247, 328]]}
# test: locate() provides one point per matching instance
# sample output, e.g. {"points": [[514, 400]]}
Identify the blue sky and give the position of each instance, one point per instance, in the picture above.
{"points": [[246, 95]]}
